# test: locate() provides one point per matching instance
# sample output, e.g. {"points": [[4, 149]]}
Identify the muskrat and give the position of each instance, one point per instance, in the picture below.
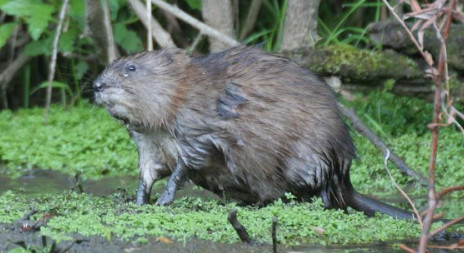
{"points": [[242, 123]]}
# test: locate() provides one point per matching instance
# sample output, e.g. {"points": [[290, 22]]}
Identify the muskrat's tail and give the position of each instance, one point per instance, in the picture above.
{"points": [[369, 205]]}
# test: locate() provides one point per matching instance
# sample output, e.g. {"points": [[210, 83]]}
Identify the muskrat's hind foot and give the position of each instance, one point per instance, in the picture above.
{"points": [[178, 177]]}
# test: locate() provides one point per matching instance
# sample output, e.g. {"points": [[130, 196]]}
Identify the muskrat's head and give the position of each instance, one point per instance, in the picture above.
{"points": [[142, 89]]}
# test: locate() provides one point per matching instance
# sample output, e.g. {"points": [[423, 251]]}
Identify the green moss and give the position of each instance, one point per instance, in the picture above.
{"points": [[82, 139], [205, 219], [362, 65]]}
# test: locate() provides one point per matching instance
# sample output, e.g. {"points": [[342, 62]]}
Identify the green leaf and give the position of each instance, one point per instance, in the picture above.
{"points": [[18, 250], [67, 40], [35, 13], [80, 69], [55, 84], [2, 2], [114, 7], [5, 32], [39, 47], [77, 13], [127, 39], [194, 4]]}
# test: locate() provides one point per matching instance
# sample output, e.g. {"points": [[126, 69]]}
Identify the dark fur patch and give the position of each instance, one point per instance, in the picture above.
{"points": [[230, 101]]}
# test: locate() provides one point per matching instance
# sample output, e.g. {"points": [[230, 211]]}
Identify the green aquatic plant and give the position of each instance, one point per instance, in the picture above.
{"points": [[299, 223], [83, 139]]}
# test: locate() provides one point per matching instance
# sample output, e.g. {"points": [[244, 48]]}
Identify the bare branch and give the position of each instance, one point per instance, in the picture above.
{"points": [[204, 29], [446, 191], [446, 225], [251, 18], [112, 51], [274, 234], [239, 228], [7, 74], [51, 72], [385, 165], [195, 43], [157, 32], [149, 29]]}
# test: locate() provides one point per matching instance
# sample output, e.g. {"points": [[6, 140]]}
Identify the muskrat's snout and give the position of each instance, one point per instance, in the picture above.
{"points": [[98, 85]]}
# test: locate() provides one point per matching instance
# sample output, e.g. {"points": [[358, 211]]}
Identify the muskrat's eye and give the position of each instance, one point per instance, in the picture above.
{"points": [[131, 68]]}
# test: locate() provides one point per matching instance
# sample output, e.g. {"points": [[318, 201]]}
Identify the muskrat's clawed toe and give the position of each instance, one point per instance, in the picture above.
{"points": [[165, 200]]}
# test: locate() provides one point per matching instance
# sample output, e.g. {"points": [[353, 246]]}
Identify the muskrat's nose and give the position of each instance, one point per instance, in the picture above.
{"points": [[98, 86]]}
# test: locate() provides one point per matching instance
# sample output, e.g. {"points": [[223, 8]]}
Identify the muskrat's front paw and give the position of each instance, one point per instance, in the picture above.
{"points": [[166, 199], [142, 198]]}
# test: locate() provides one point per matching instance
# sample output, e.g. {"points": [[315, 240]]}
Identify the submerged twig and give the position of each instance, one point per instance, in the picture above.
{"points": [[359, 126], [239, 228], [274, 234], [29, 214], [77, 186]]}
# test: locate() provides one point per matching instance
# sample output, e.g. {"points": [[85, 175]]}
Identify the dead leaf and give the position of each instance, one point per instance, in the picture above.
{"points": [[319, 230], [164, 239]]}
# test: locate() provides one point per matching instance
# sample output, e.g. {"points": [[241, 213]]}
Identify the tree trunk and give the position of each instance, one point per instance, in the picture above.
{"points": [[300, 27], [219, 14]]}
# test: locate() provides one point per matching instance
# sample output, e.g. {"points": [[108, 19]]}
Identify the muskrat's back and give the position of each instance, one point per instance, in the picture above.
{"points": [[275, 124]]}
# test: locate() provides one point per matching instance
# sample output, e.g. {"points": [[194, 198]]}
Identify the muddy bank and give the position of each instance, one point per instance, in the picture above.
{"points": [[12, 237]]}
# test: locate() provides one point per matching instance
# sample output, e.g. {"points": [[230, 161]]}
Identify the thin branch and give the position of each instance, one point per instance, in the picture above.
{"points": [[413, 39], [274, 234], [195, 43], [406, 248], [250, 18], [204, 29], [149, 29], [112, 50], [385, 164], [239, 228], [28, 215], [446, 225], [432, 195], [51, 73], [446, 191], [364, 130], [7, 74], [157, 32]]}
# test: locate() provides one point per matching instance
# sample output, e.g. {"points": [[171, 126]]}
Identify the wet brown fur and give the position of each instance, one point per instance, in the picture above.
{"points": [[248, 125]]}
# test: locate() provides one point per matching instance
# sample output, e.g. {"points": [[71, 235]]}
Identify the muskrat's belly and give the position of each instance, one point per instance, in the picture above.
{"points": [[239, 187]]}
